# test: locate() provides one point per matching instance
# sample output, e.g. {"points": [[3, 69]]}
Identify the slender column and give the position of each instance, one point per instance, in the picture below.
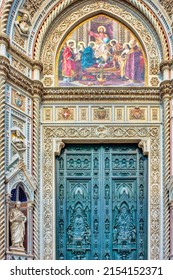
{"points": [[166, 95], [171, 230], [30, 228], [171, 64], [165, 69], [37, 92], [7, 221], [4, 68]]}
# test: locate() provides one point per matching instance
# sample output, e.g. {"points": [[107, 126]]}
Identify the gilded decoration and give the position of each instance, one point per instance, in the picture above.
{"points": [[60, 32], [149, 138]]}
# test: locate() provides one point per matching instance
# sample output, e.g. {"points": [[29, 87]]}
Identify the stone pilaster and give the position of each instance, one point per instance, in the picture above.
{"points": [[165, 89], [37, 93], [4, 69]]}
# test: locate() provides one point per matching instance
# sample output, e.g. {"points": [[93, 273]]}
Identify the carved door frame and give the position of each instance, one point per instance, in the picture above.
{"points": [[148, 138]]}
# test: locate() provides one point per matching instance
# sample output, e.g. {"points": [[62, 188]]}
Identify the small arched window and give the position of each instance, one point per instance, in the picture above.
{"points": [[18, 194]]}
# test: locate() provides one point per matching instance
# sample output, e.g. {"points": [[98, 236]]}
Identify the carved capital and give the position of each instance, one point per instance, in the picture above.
{"points": [[37, 64], [164, 65], [4, 66], [37, 89], [144, 144], [58, 146], [166, 89]]}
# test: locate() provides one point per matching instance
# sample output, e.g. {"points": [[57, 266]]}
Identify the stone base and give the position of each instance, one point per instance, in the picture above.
{"points": [[17, 249]]}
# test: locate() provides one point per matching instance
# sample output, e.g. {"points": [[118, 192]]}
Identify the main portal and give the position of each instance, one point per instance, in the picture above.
{"points": [[101, 202]]}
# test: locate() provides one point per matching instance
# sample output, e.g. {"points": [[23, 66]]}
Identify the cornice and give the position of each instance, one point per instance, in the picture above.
{"points": [[37, 88], [101, 94], [4, 65], [4, 39], [35, 64], [20, 80]]}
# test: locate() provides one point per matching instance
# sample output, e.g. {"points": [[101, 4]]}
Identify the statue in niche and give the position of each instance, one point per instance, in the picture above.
{"points": [[18, 141], [124, 229], [17, 227], [24, 24]]}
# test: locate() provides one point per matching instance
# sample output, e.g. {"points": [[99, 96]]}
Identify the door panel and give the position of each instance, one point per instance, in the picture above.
{"points": [[101, 202]]}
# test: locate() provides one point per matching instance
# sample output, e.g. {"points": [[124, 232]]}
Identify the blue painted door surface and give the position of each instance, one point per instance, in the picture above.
{"points": [[101, 202]]}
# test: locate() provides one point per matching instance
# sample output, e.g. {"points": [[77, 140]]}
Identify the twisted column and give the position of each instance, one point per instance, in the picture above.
{"points": [[171, 230], [166, 95], [4, 68], [37, 91]]}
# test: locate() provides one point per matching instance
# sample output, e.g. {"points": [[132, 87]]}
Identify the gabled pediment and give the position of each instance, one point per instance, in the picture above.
{"points": [[18, 174]]}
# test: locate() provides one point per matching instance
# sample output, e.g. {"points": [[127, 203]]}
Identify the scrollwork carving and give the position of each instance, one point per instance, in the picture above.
{"points": [[146, 134]]}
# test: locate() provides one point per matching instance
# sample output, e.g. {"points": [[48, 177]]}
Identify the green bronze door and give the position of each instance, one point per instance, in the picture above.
{"points": [[101, 202]]}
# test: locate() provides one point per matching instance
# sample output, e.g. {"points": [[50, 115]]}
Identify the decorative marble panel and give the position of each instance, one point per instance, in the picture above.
{"points": [[47, 114], [18, 100], [137, 114], [101, 114], [83, 114], [65, 114]]}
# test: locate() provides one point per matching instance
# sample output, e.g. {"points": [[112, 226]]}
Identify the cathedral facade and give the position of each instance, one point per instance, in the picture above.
{"points": [[86, 121]]}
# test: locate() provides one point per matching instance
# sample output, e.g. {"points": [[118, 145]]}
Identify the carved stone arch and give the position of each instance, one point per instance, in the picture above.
{"points": [[90, 16], [25, 187], [21, 178], [150, 13], [59, 30]]}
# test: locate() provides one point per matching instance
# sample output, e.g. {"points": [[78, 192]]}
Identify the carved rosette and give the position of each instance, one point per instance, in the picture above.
{"points": [[103, 132]]}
